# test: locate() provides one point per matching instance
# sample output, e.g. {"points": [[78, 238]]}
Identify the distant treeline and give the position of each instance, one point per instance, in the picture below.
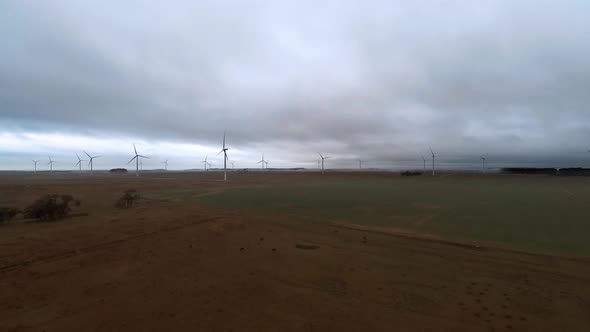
{"points": [[578, 171]]}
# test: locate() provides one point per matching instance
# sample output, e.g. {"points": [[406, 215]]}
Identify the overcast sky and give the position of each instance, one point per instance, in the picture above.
{"points": [[376, 80]]}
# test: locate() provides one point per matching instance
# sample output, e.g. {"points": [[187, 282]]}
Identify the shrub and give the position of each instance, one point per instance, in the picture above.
{"points": [[128, 199], [7, 214], [50, 207]]}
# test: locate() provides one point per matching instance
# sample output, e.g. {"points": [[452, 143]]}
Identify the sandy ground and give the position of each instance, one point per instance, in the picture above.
{"points": [[169, 265]]}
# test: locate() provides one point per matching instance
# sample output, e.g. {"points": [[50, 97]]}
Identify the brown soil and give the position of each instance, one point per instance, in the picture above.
{"points": [[171, 265]]}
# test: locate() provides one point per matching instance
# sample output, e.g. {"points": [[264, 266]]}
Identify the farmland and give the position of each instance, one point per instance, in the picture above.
{"points": [[298, 251]]}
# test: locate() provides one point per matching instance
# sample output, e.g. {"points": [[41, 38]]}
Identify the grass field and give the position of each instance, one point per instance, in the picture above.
{"points": [[548, 214]]}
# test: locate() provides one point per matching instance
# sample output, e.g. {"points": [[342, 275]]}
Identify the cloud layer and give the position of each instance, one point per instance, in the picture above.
{"points": [[378, 80]]}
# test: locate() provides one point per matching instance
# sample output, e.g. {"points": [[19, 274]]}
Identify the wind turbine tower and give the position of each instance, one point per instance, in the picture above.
{"points": [[433, 157], [205, 162], [50, 163], [79, 163], [360, 164], [261, 161], [323, 158], [137, 158], [424, 160], [165, 164], [91, 162], [483, 164], [35, 162], [224, 151]]}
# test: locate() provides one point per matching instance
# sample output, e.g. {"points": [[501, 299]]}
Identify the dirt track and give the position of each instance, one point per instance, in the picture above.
{"points": [[169, 265]]}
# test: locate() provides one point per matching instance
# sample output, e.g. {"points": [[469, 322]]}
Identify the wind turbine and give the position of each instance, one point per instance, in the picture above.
{"points": [[137, 158], [266, 163], [232, 164], [165, 164], [209, 164], [323, 158], [483, 164], [433, 156], [360, 164], [50, 163], [424, 160], [35, 162], [318, 163], [224, 150], [91, 162], [79, 163], [205, 162], [261, 161]]}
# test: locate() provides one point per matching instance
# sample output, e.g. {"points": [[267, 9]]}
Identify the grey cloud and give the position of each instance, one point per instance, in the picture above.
{"points": [[380, 80]]}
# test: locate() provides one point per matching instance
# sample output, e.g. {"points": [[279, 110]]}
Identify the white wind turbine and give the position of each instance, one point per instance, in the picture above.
{"points": [[91, 162], [224, 151], [483, 163], [261, 161], [35, 162], [424, 160], [79, 163], [433, 156], [323, 158], [232, 164], [50, 163], [360, 164], [165, 164], [266, 164], [137, 158], [205, 163]]}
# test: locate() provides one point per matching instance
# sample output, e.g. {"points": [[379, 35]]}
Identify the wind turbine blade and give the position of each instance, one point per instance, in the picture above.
{"points": [[224, 139], [87, 154], [134, 149], [132, 159], [321, 155], [218, 153], [143, 156], [97, 156]]}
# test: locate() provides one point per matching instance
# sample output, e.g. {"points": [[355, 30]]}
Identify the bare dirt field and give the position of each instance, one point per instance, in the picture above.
{"points": [[181, 262]]}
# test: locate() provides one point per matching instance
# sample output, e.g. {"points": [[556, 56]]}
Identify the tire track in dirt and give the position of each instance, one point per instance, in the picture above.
{"points": [[99, 246]]}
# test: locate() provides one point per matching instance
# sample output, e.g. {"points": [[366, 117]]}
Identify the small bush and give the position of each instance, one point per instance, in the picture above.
{"points": [[7, 214], [50, 207], [128, 199]]}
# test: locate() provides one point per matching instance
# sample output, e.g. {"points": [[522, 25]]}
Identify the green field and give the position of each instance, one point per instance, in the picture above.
{"points": [[533, 212]]}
